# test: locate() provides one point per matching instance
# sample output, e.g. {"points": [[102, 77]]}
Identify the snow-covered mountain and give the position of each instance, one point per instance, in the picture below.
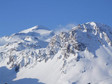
{"points": [[21, 48], [37, 55]]}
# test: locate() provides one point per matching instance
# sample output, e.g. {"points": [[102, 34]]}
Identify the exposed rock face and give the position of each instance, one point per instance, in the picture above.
{"points": [[27, 47], [82, 55]]}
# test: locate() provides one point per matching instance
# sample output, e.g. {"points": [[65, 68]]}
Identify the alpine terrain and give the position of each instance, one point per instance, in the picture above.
{"points": [[82, 55]]}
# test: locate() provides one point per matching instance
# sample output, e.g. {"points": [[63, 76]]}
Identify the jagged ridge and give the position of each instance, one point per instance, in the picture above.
{"points": [[74, 49]]}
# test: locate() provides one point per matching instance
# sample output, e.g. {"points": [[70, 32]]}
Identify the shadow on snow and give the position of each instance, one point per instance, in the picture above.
{"points": [[7, 76]]}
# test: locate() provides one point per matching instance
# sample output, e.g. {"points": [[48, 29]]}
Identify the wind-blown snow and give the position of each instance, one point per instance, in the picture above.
{"points": [[82, 55], [38, 29]]}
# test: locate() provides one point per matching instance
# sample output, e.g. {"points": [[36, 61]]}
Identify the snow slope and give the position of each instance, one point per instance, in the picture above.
{"points": [[70, 71], [82, 55], [20, 48]]}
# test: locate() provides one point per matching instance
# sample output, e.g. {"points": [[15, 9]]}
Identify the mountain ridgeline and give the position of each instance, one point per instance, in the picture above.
{"points": [[82, 55]]}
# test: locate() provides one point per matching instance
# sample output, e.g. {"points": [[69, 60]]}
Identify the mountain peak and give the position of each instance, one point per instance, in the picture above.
{"points": [[96, 24], [32, 29], [92, 23], [66, 58]]}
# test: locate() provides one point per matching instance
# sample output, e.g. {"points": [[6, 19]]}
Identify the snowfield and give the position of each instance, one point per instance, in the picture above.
{"points": [[37, 55]]}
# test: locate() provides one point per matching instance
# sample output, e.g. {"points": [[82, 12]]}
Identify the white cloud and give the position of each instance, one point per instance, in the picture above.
{"points": [[62, 28]]}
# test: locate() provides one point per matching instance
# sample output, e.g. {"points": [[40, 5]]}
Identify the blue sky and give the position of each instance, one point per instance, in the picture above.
{"points": [[17, 15]]}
